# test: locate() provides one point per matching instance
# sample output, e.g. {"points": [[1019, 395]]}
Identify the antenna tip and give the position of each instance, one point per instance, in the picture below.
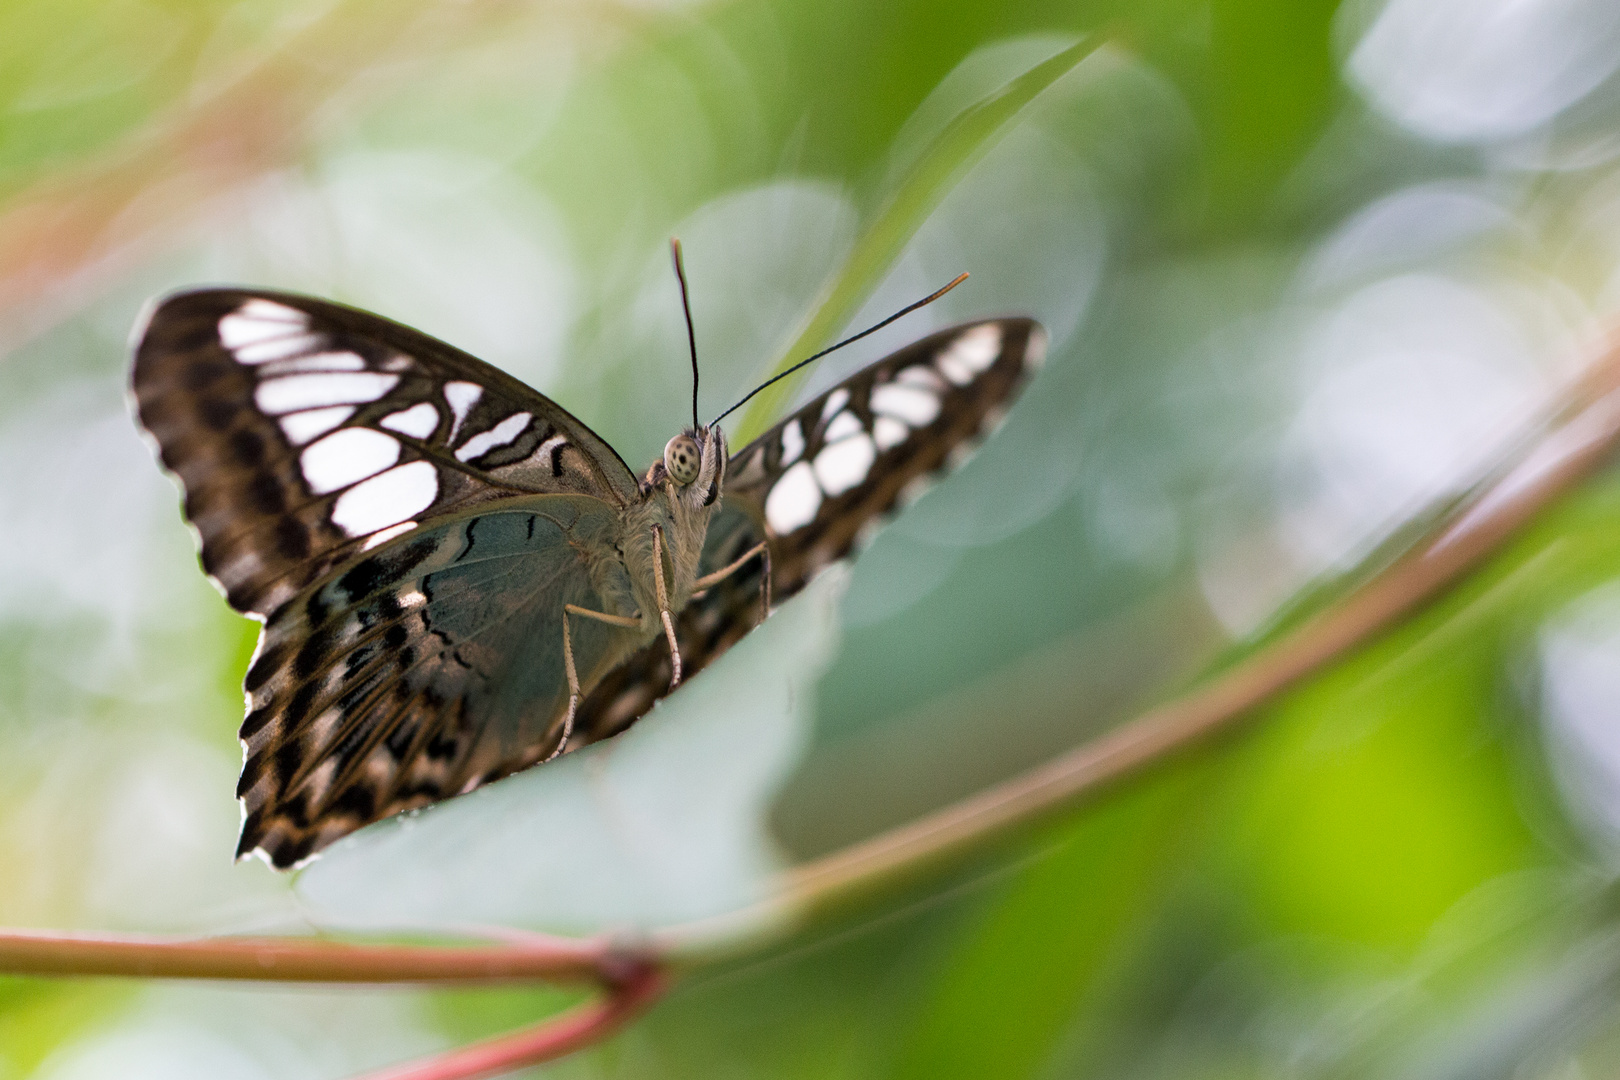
{"points": [[935, 296]]}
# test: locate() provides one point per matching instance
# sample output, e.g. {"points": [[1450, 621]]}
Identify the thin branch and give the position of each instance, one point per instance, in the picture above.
{"points": [[546, 1041], [1579, 435], [26, 952]]}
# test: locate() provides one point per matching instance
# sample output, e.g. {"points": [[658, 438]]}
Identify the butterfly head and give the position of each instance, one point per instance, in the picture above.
{"points": [[683, 458], [695, 462]]}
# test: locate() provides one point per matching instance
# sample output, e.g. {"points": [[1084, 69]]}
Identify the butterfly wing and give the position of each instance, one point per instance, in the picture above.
{"points": [[409, 522], [814, 484], [426, 668], [304, 430]]}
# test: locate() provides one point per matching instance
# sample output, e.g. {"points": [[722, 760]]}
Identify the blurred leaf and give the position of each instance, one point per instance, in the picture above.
{"points": [[1016, 982], [1393, 767], [1274, 87], [36, 1015], [937, 167], [483, 1012]]}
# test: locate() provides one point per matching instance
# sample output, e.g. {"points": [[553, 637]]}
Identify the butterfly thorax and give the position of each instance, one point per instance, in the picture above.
{"points": [[677, 515]]}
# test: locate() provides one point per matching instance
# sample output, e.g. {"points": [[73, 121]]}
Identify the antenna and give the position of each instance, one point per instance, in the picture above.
{"points": [[907, 310], [691, 335]]}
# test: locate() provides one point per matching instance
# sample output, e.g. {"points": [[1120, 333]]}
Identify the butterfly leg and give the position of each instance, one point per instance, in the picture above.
{"points": [[568, 662], [761, 549], [663, 607]]}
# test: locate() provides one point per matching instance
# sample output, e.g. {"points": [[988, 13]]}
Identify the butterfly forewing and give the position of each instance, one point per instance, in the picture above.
{"points": [[821, 477], [814, 484], [305, 432]]}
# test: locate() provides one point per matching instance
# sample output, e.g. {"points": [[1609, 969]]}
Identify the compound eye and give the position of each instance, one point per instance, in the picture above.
{"points": [[681, 458]]}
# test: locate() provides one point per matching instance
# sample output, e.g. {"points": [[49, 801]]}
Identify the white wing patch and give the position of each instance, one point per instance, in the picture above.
{"points": [[258, 321], [300, 427], [461, 397], [280, 348], [297, 392], [792, 442], [971, 354], [888, 432], [793, 500], [843, 426], [385, 535], [348, 456], [909, 403], [419, 421], [843, 464], [321, 361], [389, 499], [835, 401], [499, 435], [920, 375]]}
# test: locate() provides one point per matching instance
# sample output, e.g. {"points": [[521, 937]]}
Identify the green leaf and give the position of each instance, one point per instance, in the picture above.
{"points": [[937, 168], [37, 1016], [1017, 980]]}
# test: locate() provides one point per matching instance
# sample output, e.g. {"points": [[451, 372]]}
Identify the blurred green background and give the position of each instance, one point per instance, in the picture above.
{"points": [[1307, 268]]}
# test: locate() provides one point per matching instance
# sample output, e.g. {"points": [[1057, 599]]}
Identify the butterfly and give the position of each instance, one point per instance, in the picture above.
{"points": [[458, 579]]}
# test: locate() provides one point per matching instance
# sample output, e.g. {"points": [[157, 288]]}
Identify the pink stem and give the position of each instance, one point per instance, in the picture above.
{"points": [[546, 1041], [26, 952]]}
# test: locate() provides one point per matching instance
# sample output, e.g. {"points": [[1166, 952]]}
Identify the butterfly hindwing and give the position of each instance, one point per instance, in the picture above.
{"points": [[305, 431], [426, 668], [814, 484]]}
